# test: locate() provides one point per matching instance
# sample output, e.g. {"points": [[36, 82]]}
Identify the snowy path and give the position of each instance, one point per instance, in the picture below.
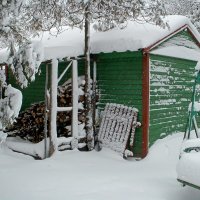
{"points": [[94, 175]]}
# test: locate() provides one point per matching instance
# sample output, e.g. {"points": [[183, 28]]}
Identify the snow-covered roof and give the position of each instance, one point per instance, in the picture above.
{"points": [[69, 43], [135, 36], [138, 35]]}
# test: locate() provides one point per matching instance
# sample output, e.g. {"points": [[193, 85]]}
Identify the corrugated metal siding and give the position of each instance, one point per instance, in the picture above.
{"points": [[35, 91], [171, 82], [119, 78]]}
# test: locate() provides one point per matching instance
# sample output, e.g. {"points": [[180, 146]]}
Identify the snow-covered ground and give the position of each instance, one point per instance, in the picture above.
{"points": [[188, 165], [95, 175]]}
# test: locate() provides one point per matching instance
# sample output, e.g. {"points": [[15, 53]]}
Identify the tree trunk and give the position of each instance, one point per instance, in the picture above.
{"points": [[53, 107], [88, 103]]}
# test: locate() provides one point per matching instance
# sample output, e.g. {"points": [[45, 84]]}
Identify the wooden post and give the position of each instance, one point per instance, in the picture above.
{"points": [[75, 99], [145, 104], [53, 107], [46, 154]]}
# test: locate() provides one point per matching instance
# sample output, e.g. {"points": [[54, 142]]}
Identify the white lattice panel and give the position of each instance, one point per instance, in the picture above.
{"points": [[118, 125]]}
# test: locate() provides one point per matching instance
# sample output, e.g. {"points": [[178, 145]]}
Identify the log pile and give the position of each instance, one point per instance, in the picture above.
{"points": [[30, 123]]}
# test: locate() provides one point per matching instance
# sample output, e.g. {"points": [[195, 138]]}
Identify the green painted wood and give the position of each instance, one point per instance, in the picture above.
{"points": [[166, 113], [123, 83], [171, 82], [34, 92], [174, 98], [169, 117], [119, 78], [172, 91], [177, 106], [121, 87]]}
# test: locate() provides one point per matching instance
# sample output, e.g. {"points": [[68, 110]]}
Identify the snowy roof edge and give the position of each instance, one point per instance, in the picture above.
{"points": [[125, 42]]}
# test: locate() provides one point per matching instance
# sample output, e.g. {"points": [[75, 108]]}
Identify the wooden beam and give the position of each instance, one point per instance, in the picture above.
{"points": [[66, 69], [194, 37], [64, 109]]}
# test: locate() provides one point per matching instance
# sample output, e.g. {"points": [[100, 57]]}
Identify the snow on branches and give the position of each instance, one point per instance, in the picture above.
{"points": [[10, 103], [195, 14], [189, 8], [19, 20], [11, 27], [107, 14], [26, 61]]}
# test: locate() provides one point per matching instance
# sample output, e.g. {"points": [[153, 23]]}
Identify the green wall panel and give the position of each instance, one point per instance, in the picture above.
{"points": [[119, 78], [35, 91], [171, 82]]}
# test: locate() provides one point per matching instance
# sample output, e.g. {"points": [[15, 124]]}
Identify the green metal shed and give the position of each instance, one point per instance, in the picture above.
{"points": [[146, 67]]}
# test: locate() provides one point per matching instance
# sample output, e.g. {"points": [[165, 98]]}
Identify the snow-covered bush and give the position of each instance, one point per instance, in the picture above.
{"points": [[10, 106]]}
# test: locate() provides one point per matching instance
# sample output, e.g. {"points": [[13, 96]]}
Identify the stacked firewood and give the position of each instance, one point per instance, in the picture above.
{"points": [[30, 123]]}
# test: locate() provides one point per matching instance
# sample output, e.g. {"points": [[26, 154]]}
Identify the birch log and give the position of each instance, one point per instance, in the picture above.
{"points": [[53, 107]]}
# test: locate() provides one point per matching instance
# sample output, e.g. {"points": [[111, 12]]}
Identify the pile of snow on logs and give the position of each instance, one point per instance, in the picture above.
{"points": [[30, 123]]}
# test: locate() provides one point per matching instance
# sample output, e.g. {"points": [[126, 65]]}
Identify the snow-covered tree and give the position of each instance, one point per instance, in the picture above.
{"points": [[179, 7], [10, 102], [21, 20], [195, 14], [189, 8], [105, 15], [10, 28], [15, 33]]}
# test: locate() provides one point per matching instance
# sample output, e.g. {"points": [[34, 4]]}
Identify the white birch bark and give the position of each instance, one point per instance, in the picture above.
{"points": [[88, 102], [53, 109]]}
